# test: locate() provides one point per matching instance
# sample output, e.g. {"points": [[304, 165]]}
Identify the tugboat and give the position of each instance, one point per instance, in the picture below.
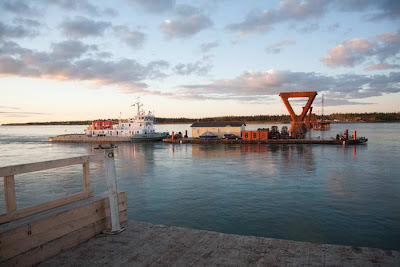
{"points": [[139, 128], [350, 140]]}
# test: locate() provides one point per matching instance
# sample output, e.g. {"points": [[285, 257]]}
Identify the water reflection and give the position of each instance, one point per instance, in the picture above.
{"points": [[334, 194]]}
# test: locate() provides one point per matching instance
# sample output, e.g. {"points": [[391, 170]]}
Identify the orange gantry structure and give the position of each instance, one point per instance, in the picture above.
{"points": [[298, 127]]}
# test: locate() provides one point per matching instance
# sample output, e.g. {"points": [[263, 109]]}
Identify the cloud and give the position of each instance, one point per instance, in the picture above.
{"points": [[383, 9], [133, 38], [332, 27], [288, 10], [382, 66], [191, 68], [81, 27], [70, 49], [155, 6], [19, 7], [83, 6], [22, 28], [260, 85], [206, 47], [343, 102], [277, 47], [355, 51], [104, 55], [307, 28], [76, 5], [301, 11], [7, 107], [31, 23], [69, 66], [188, 21], [110, 12], [20, 114]]}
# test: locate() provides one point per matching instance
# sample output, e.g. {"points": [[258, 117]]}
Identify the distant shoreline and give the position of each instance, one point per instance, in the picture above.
{"points": [[162, 123], [255, 119]]}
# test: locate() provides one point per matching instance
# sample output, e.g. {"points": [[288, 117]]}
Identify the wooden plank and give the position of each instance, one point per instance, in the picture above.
{"points": [[18, 214], [38, 223], [9, 193], [61, 244], [86, 176], [34, 240], [51, 164]]}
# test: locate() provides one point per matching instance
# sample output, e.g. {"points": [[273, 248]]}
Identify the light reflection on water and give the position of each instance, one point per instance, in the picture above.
{"points": [[327, 194]]}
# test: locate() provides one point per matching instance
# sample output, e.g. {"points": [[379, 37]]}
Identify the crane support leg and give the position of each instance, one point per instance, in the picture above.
{"points": [[298, 128]]}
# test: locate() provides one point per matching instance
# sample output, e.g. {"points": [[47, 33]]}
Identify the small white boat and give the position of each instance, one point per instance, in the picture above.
{"points": [[139, 128]]}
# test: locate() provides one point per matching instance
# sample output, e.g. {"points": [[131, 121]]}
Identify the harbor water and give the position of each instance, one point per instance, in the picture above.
{"points": [[346, 195]]}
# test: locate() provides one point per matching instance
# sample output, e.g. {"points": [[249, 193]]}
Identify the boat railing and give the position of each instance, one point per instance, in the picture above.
{"points": [[9, 173]]}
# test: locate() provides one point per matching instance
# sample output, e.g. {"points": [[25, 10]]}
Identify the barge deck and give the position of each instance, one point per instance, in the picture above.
{"points": [[268, 141], [81, 138]]}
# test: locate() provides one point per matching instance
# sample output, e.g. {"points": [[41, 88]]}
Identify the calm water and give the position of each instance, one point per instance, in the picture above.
{"points": [[327, 194]]}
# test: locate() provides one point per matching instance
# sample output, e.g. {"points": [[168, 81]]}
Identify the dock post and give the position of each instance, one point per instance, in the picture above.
{"points": [[112, 191], [9, 193], [86, 176]]}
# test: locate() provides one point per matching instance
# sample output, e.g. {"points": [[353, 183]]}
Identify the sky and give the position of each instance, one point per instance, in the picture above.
{"points": [[66, 60]]}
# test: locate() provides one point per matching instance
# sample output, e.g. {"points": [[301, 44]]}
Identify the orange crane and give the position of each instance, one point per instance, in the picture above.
{"points": [[298, 127]]}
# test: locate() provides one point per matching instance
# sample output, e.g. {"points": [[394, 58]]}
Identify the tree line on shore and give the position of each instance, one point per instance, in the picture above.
{"points": [[360, 117]]}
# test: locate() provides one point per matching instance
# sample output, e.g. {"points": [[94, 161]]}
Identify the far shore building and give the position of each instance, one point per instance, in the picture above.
{"points": [[217, 128]]}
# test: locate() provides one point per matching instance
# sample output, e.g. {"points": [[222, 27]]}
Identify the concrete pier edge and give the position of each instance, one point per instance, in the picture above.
{"points": [[145, 244]]}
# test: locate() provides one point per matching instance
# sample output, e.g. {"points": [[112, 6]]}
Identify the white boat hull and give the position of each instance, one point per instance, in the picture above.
{"points": [[148, 137]]}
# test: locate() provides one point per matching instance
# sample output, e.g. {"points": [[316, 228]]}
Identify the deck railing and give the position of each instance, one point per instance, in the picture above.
{"points": [[8, 173]]}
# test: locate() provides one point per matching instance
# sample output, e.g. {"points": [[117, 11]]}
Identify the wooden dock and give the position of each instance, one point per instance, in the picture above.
{"points": [[33, 234], [144, 244]]}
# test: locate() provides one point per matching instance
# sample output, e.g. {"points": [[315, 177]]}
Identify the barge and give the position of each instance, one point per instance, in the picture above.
{"points": [[267, 141]]}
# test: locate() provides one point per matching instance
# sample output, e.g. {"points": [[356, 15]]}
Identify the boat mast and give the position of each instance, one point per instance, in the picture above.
{"points": [[138, 106], [322, 108]]}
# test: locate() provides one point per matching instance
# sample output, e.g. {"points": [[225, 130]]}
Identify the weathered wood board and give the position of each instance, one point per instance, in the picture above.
{"points": [[34, 238]]}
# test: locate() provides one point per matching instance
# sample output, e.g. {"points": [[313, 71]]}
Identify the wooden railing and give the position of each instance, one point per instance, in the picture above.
{"points": [[9, 173]]}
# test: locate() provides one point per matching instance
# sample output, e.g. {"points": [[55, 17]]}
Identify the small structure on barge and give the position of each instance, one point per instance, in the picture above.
{"points": [[219, 129]]}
